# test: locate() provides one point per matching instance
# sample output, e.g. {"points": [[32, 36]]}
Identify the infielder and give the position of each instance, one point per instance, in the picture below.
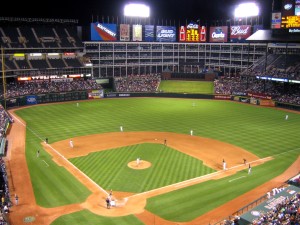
{"points": [[249, 169], [224, 165], [71, 144], [192, 132], [121, 128]]}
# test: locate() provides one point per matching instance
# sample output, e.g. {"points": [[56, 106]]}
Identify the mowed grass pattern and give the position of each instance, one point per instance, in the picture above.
{"points": [[177, 86], [262, 131], [109, 168]]}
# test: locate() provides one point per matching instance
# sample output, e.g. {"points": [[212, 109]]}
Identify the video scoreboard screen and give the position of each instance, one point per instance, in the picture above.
{"points": [[290, 14], [290, 22]]}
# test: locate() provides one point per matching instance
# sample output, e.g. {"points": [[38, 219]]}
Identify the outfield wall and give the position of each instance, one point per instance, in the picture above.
{"points": [[84, 95]]}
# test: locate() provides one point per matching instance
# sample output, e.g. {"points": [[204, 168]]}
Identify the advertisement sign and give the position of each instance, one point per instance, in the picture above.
{"points": [[31, 100], [103, 32], [192, 33], [203, 33], [276, 20], [259, 95], [223, 97], [218, 34], [265, 102], [149, 33], [124, 32], [95, 94], [165, 34], [240, 33], [137, 32], [182, 32]]}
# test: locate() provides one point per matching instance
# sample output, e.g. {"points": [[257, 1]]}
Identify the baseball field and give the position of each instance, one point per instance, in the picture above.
{"points": [[180, 182]]}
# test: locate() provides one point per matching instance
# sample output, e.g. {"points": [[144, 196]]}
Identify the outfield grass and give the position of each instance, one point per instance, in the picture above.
{"points": [[262, 131], [176, 86], [109, 168]]}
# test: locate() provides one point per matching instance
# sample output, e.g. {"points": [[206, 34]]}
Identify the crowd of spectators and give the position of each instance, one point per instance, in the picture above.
{"points": [[4, 191], [243, 85], [4, 119], [47, 86], [285, 213], [278, 66], [137, 83]]}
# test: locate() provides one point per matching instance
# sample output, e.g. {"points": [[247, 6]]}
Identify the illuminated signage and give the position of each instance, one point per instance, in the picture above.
{"points": [[19, 55], [290, 22], [276, 20], [165, 34], [137, 32], [69, 53], [35, 54], [124, 32], [24, 78], [103, 32], [218, 34], [149, 33], [240, 33], [192, 33]]}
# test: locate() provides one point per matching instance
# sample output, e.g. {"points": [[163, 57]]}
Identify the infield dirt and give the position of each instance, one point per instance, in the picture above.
{"points": [[211, 152]]}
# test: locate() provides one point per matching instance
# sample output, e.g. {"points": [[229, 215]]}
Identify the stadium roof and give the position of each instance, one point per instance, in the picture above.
{"points": [[271, 36]]}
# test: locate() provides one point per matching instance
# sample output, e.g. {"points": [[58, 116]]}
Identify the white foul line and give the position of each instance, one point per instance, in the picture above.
{"points": [[237, 178], [58, 153], [46, 163]]}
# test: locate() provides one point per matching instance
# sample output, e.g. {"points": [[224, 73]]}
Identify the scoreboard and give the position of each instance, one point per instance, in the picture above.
{"points": [[290, 22]]}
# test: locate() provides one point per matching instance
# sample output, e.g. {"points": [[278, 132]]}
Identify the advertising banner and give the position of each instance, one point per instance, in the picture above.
{"points": [[31, 100], [103, 32], [192, 33], [149, 33], [223, 97], [124, 32], [276, 20], [240, 33], [218, 34], [182, 32], [95, 94], [137, 32], [259, 95], [266, 102], [165, 34], [203, 33]]}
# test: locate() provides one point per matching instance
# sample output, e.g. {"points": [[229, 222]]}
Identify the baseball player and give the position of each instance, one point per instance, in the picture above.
{"points": [[249, 169], [138, 160], [121, 128], [192, 132], [286, 117], [224, 165], [71, 144]]}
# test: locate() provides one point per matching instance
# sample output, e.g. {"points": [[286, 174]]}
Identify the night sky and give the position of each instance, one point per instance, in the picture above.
{"points": [[204, 10]]}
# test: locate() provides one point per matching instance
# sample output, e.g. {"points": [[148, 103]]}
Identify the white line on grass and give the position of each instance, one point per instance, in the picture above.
{"points": [[58, 153], [45, 163], [236, 178], [188, 182]]}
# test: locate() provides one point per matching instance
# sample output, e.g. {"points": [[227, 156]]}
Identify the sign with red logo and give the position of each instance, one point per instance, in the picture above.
{"points": [[190, 33], [240, 33]]}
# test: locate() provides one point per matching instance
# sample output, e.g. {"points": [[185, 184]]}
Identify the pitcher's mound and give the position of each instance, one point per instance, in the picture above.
{"points": [[143, 165]]}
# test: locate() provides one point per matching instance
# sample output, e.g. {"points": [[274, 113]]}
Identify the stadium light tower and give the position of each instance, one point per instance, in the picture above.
{"points": [[246, 10], [136, 10]]}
